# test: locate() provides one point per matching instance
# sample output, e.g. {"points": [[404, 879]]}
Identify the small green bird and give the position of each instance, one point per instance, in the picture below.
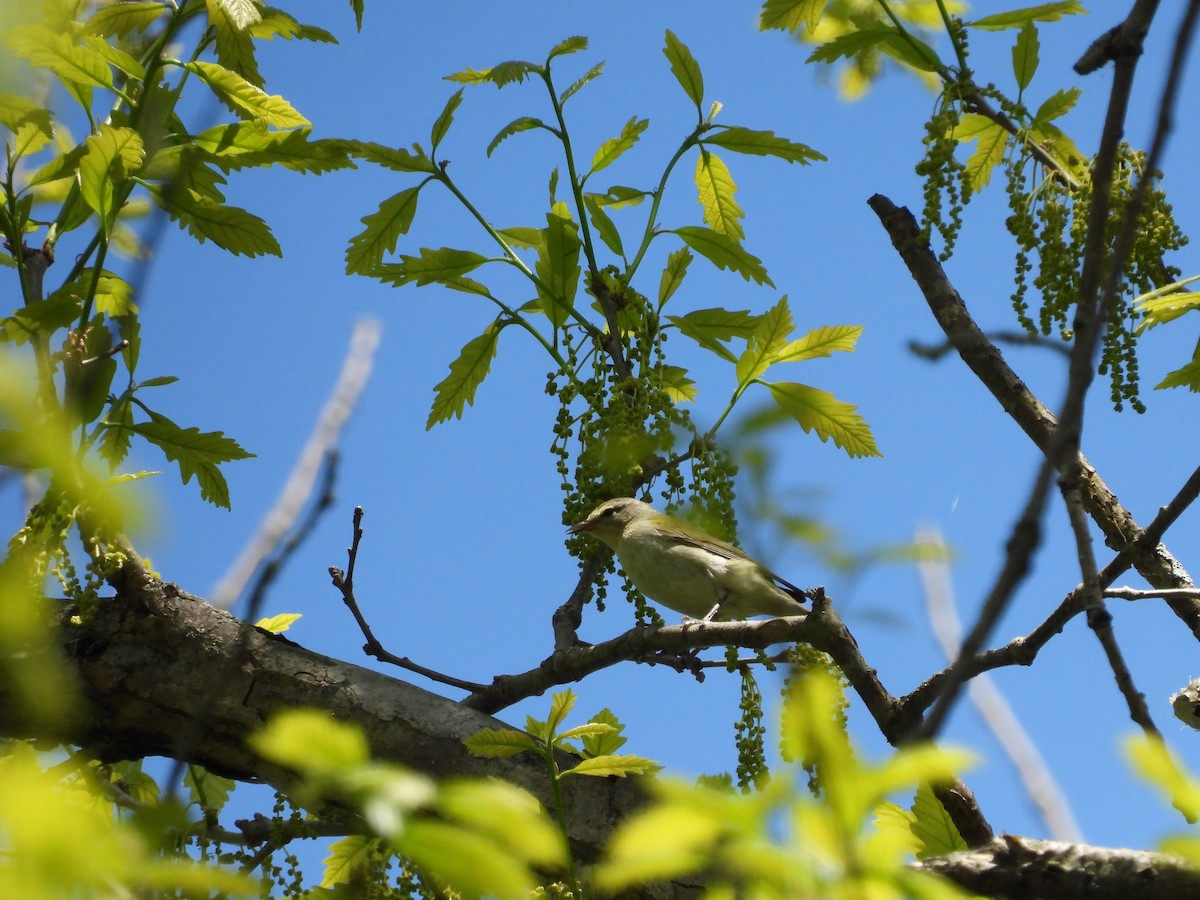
{"points": [[686, 569]]}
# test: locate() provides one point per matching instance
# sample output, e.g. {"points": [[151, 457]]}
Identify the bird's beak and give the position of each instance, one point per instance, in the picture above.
{"points": [[580, 527]]}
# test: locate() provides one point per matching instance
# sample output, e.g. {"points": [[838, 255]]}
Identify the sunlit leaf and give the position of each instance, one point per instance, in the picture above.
{"points": [[790, 15], [198, 454], [245, 98], [715, 187], [685, 69], [278, 624], [611, 150], [1057, 105], [591, 74], [558, 264], [442, 124], [1025, 55], [384, 227], [457, 390], [763, 143], [430, 266], [235, 49], [604, 225], [311, 741], [499, 743], [512, 72], [346, 857], [228, 227], [396, 159], [524, 123], [619, 766], [820, 411], [1016, 18], [724, 253], [112, 155], [710, 327]]}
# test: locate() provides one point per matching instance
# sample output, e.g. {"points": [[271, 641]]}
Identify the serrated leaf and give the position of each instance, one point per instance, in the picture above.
{"points": [[280, 623], [349, 855], [499, 743], [851, 44], [230, 228], [789, 15], [561, 704], [573, 44], [524, 123], [619, 765], [724, 253], [395, 158], [235, 49], [31, 135], [685, 69], [114, 296], [523, 236], [209, 790], [932, 825], [115, 56], [115, 436], [821, 342], [990, 150], [591, 729], [112, 155], [715, 189], [276, 23], [240, 145], [121, 19], [457, 390], [1025, 55], [820, 411], [763, 143], [558, 264], [1016, 18], [430, 266], [912, 51], [709, 327], [442, 124], [619, 195], [16, 110], [1160, 309], [897, 822], [769, 337], [198, 454], [610, 742], [604, 225], [74, 63], [384, 227], [591, 74], [246, 99], [513, 71], [1188, 376], [1057, 105], [673, 274], [674, 380], [610, 151]]}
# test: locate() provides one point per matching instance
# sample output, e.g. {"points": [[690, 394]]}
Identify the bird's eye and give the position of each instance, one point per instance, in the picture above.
{"points": [[608, 513]]}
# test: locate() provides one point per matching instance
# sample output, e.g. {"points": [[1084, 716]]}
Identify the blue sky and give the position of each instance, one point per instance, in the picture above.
{"points": [[463, 560]]}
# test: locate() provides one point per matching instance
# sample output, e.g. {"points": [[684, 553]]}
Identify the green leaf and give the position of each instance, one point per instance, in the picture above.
{"points": [[789, 15], [674, 380], [523, 236], [470, 864], [430, 266], [384, 227], [604, 225], [820, 342], [1017, 18], [208, 790], [276, 23], [558, 264], [114, 297], [829, 417], [1188, 376], [32, 135], [457, 390], [499, 743], [311, 741], [396, 159], [763, 143], [244, 98], [443, 122], [198, 453], [606, 742], [769, 337], [41, 316], [912, 51], [524, 123], [851, 44], [112, 155], [115, 56], [724, 253], [591, 74], [1166, 305], [685, 69], [709, 327], [992, 139], [240, 145], [121, 19], [115, 434], [346, 857], [508, 814], [15, 110], [619, 195], [561, 705], [278, 624], [1025, 55], [45, 48], [588, 730], [715, 187], [235, 51], [611, 150], [1057, 105], [673, 274], [932, 825], [572, 44], [230, 228], [620, 766], [514, 71]]}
